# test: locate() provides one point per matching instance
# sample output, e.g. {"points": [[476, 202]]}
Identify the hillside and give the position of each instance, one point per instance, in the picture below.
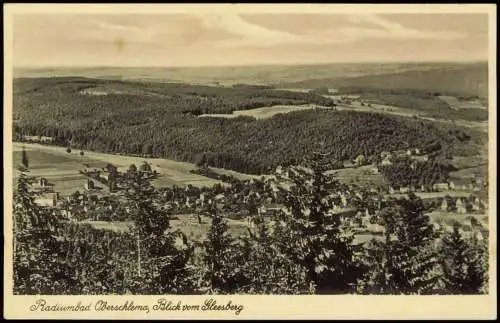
{"points": [[229, 75], [462, 80], [156, 119]]}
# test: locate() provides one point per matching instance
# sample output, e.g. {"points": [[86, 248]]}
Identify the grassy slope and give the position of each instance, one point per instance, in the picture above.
{"points": [[62, 168]]}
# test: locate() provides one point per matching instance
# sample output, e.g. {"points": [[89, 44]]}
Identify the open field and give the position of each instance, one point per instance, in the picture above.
{"points": [[480, 171], [457, 104], [59, 169], [364, 175], [62, 168], [266, 112]]}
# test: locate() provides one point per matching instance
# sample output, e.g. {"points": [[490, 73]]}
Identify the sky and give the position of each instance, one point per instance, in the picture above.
{"points": [[212, 39]]}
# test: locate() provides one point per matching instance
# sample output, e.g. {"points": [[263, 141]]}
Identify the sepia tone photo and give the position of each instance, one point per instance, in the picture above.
{"points": [[233, 152]]}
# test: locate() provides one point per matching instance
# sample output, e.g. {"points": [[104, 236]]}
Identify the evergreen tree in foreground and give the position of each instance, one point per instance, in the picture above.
{"points": [[218, 253], [37, 269], [405, 261], [162, 253], [317, 238], [462, 263], [24, 159]]}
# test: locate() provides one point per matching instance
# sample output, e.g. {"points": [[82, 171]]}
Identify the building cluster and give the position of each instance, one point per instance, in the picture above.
{"points": [[458, 185], [39, 139], [463, 205]]}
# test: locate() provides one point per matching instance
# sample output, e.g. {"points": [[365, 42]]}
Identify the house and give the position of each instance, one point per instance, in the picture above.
{"points": [[444, 205], [360, 160], [269, 209], [417, 151], [386, 162], [107, 176], [391, 190], [408, 152], [441, 186], [89, 185], [460, 205], [404, 190], [91, 170], [47, 200], [343, 200]]}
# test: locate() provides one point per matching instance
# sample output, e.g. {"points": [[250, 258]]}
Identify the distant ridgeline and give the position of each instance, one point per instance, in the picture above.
{"points": [[159, 119]]}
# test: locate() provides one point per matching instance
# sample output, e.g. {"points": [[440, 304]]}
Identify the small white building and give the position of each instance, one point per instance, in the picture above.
{"points": [[444, 205], [441, 186], [460, 205]]}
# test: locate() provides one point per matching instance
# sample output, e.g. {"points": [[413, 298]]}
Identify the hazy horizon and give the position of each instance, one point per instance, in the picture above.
{"points": [[451, 62]]}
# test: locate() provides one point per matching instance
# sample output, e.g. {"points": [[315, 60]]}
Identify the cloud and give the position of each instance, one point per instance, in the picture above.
{"points": [[102, 30], [244, 31], [394, 30], [358, 28]]}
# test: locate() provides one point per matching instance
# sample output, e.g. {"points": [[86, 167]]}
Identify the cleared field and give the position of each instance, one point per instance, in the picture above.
{"points": [[267, 112], [457, 104], [62, 168], [364, 175], [471, 172]]}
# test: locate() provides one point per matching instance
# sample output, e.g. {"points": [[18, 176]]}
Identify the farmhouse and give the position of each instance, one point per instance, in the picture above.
{"points": [[89, 185], [444, 205], [108, 176], [386, 161], [460, 206], [91, 170], [40, 139], [47, 199], [269, 209], [441, 187], [360, 160]]}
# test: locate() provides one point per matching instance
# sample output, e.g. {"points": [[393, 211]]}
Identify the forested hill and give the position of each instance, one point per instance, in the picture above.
{"points": [[160, 119], [460, 80]]}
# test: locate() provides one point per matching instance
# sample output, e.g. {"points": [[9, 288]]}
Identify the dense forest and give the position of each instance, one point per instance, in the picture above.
{"points": [[405, 172], [302, 249], [159, 119]]}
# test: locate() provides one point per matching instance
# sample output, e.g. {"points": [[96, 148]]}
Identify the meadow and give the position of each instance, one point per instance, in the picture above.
{"points": [[61, 168], [266, 112]]}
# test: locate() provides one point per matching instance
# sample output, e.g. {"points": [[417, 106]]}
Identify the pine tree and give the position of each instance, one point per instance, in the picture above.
{"points": [[218, 248], [318, 239], [162, 254], [405, 262], [35, 244], [24, 160], [461, 261]]}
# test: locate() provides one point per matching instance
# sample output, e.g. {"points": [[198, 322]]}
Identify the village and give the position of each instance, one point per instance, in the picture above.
{"points": [[99, 198]]}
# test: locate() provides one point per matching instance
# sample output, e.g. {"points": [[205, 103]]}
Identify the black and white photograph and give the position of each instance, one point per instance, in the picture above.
{"points": [[234, 152]]}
